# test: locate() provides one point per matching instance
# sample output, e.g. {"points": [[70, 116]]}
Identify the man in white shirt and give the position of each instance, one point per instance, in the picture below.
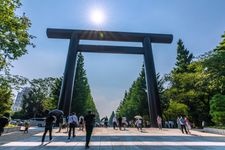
{"points": [[73, 122]]}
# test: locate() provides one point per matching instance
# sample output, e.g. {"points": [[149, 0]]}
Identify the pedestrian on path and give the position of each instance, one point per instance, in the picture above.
{"points": [[124, 123], [4, 121], [106, 121], [178, 123], [26, 127], [120, 122], [182, 124], [187, 125], [138, 124], [114, 122], [48, 127], [81, 123], [60, 121], [159, 122], [73, 122], [89, 125]]}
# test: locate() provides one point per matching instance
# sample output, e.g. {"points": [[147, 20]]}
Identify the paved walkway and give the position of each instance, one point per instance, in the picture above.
{"points": [[109, 139]]}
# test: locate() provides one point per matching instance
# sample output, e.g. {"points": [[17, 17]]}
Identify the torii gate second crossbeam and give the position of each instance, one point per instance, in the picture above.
{"points": [[70, 69]]}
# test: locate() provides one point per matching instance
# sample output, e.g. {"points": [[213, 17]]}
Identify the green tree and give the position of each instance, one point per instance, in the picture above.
{"points": [[55, 91], [184, 58], [82, 99], [189, 84], [164, 101], [135, 100], [176, 109], [14, 36], [215, 66], [193, 89], [45, 88], [39, 98], [217, 109], [5, 99], [44, 85], [32, 105]]}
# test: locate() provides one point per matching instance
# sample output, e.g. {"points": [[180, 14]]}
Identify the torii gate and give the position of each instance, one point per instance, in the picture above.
{"points": [[70, 69]]}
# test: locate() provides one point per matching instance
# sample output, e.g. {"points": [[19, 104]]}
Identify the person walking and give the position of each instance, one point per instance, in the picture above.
{"points": [[178, 123], [81, 123], [26, 127], [48, 127], [114, 122], [120, 122], [89, 125], [73, 121], [4, 121], [124, 123], [159, 122], [60, 121], [187, 125], [106, 121], [138, 124], [182, 124]]}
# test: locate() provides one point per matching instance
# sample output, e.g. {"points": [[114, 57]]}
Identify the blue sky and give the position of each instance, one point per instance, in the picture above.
{"points": [[199, 23]]}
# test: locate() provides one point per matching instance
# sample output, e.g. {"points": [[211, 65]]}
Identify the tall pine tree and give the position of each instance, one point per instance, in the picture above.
{"points": [[82, 99], [183, 58]]}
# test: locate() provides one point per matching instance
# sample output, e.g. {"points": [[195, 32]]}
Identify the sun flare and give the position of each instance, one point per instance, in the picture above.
{"points": [[97, 16]]}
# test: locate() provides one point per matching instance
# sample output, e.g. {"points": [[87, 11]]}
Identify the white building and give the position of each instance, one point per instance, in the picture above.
{"points": [[17, 106]]}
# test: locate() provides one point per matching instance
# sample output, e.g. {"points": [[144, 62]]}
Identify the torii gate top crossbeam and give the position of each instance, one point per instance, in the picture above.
{"points": [[108, 35]]}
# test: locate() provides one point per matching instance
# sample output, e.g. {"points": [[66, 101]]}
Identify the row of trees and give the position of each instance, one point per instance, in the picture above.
{"points": [[194, 82], [135, 99], [44, 94], [187, 90]]}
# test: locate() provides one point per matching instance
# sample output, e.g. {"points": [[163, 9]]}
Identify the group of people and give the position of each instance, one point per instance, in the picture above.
{"points": [[119, 122], [88, 121], [184, 124]]}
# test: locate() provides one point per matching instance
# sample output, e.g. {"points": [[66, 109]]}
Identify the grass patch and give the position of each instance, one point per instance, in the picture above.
{"points": [[10, 126]]}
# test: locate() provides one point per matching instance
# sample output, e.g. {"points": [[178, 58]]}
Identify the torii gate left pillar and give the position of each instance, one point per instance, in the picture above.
{"points": [[66, 92]]}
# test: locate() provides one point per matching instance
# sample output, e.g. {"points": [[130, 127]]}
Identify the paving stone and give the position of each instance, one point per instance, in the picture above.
{"points": [[110, 139]]}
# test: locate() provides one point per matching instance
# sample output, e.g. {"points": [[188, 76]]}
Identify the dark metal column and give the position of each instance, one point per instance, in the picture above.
{"points": [[66, 92], [151, 81]]}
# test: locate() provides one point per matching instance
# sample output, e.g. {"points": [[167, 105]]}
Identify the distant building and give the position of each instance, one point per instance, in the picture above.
{"points": [[17, 106]]}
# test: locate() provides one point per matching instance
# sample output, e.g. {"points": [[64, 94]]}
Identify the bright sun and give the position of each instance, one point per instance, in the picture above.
{"points": [[97, 16]]}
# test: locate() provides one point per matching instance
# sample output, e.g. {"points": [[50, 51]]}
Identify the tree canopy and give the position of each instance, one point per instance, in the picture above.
{"points": [[135, 100], [14, 36], [217, 109]]}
